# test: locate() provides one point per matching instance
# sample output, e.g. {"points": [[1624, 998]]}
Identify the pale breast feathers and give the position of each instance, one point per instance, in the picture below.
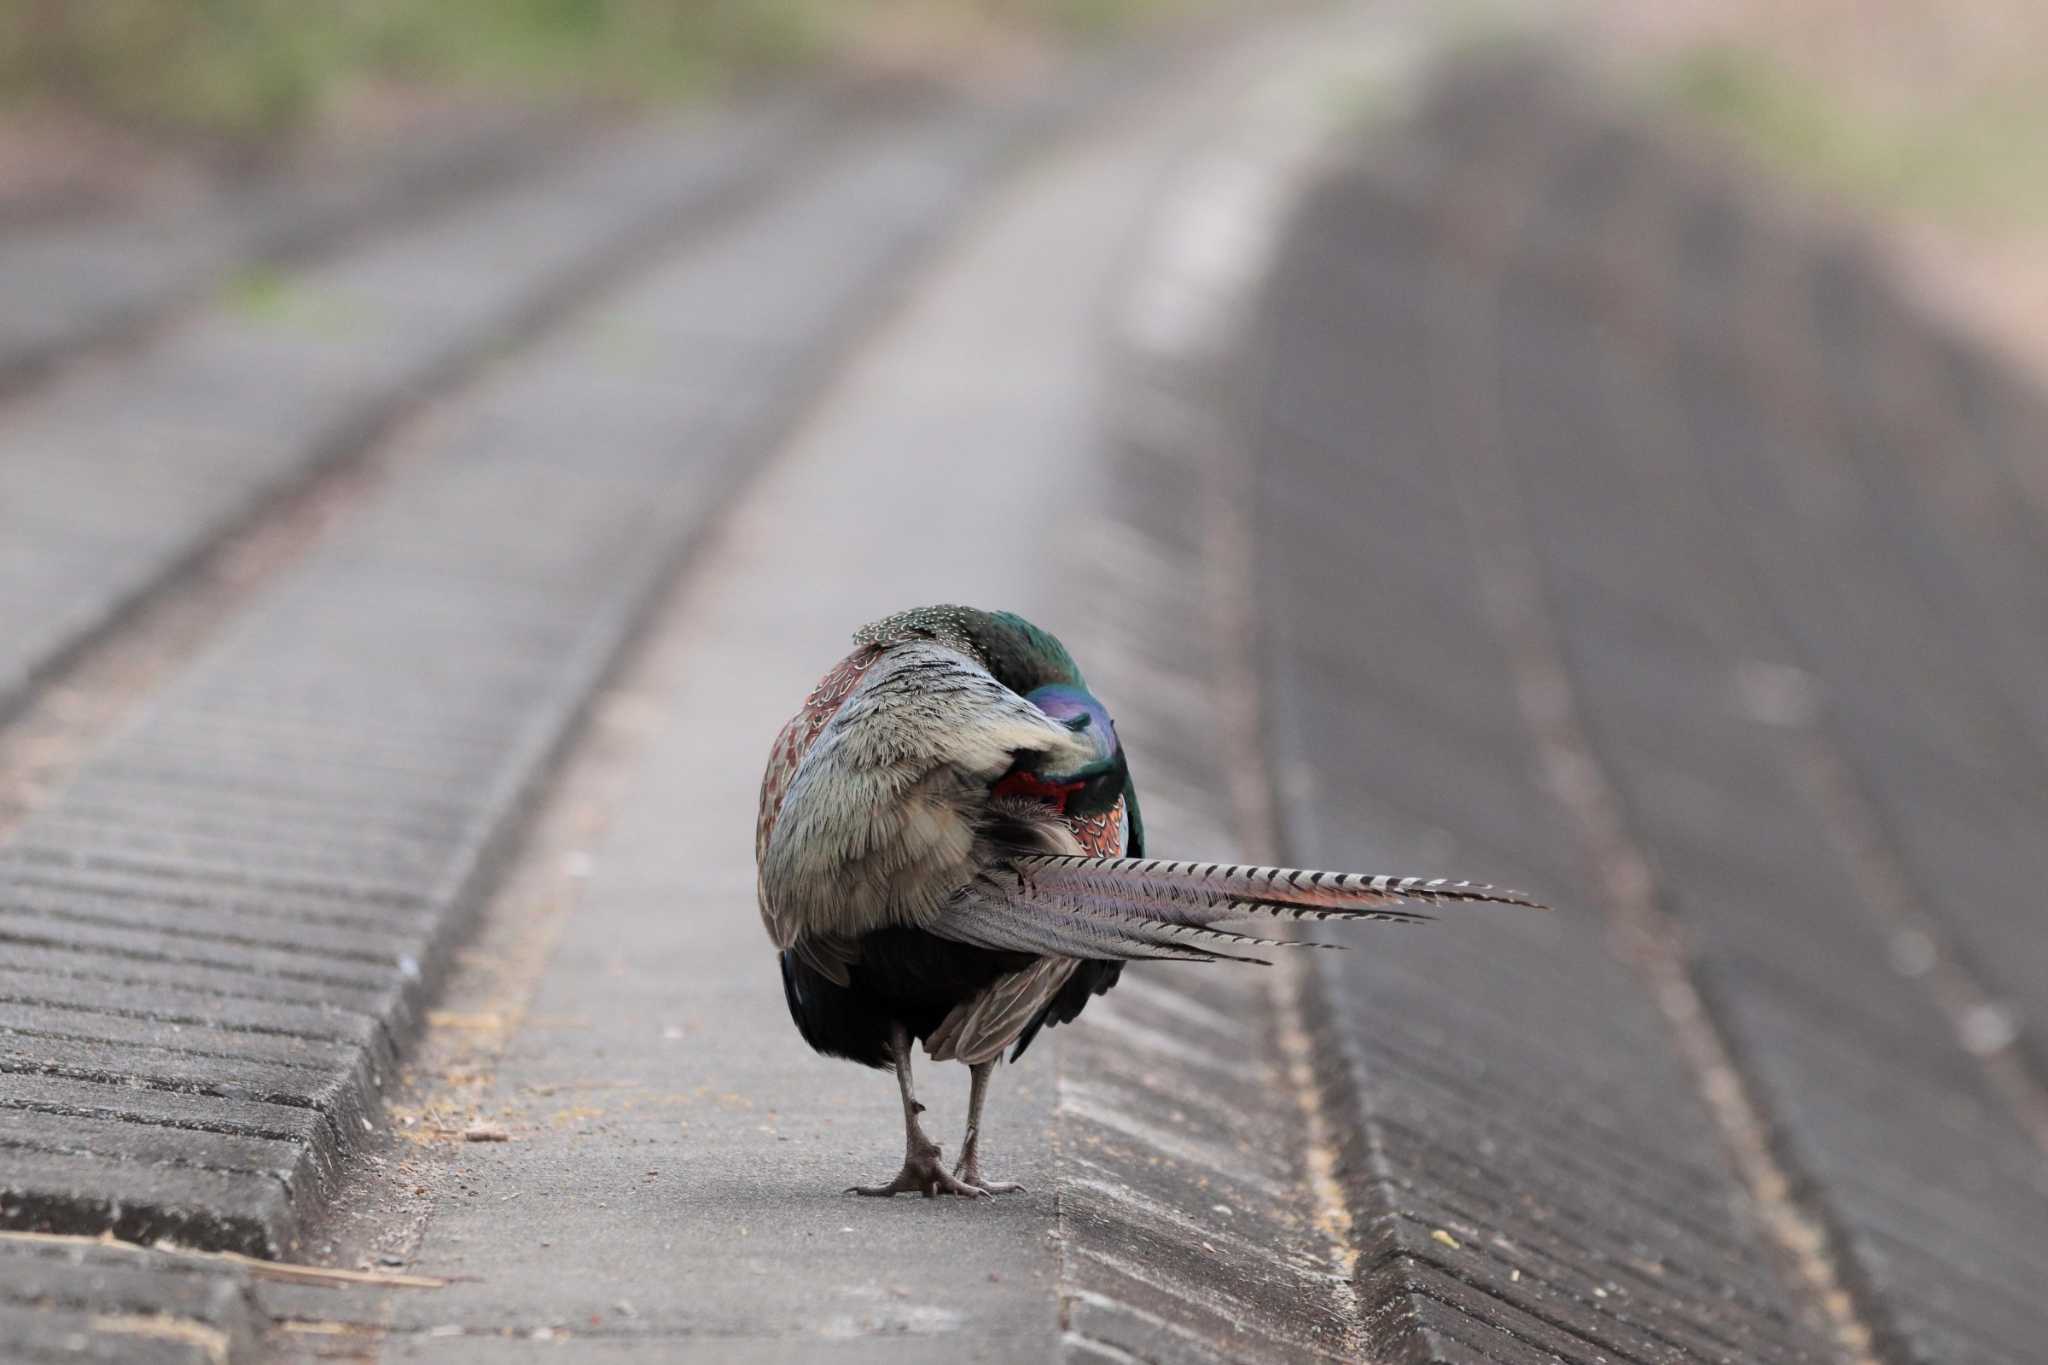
{"points": [[870, 803]]}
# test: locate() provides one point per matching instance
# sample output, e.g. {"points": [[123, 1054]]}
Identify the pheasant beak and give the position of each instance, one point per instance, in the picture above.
{"points": [[1085, 718]]}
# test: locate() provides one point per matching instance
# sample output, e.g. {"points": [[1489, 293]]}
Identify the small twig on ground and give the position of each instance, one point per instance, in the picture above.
{"points": [[285, 1271]]}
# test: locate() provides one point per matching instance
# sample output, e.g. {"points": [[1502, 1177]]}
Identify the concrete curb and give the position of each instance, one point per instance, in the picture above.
{"points": [[1195, 1224]]}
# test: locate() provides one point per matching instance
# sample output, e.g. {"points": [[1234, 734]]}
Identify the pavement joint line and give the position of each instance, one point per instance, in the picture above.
{"points": [[223, 1128], [283, 945], [384, 896], [1514, 601], [181, 1019], [60, 1035], [103, 974], [183, 1163], [221, 964], [195, 1260]]}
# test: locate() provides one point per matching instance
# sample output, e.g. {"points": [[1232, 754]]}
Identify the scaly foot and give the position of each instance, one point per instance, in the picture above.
{"points": [[968, 1172], [923, 1174]]}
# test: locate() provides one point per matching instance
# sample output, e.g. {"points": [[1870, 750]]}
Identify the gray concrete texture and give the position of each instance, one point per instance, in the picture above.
{"points": [[72, 283], [297, 822], [1506, 492], [667, 1130], [1676, 600], [209, 420]]}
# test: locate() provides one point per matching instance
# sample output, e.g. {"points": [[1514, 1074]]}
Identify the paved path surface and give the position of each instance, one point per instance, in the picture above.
{"points": [[666, 1129], [1552, 510]]}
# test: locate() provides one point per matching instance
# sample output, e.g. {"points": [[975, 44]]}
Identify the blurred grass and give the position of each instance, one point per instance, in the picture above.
{"points": [[1979, 157], [250, 70]]}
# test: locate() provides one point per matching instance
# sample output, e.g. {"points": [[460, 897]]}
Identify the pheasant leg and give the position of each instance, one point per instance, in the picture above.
{"points": [[922, 1172], [968, 1171]]}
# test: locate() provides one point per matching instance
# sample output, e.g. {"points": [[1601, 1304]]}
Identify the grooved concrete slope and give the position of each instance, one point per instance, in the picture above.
{"points": [[70, 284], [220, 926], [1630, 542], [72, 1301], [1193, 1225], [1187, 1211], [206, 422]]}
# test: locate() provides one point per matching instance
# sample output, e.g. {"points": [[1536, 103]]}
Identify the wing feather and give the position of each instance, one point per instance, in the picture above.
{"points": [[878, 822]]}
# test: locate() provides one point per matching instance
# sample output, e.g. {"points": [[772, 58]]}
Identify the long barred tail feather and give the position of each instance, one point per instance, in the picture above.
{"points": [[1136, 908], [1280, 887]]}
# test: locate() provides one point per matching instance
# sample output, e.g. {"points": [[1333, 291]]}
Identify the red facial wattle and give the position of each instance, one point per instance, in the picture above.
{"points": [[1036, 788]]}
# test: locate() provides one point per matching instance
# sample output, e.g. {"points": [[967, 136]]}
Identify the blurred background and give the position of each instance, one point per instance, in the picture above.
{"points": [[1933, 118], [100, 93]]}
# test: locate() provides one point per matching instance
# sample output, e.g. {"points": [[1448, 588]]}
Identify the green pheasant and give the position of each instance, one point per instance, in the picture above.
{"points": [[950, 851]]}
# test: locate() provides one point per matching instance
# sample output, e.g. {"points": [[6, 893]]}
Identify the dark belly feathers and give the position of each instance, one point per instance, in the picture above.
{"points": [[904, 975]]}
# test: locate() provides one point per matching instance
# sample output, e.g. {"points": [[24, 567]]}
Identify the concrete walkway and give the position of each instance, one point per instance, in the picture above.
{"points": [[674, 1184]]}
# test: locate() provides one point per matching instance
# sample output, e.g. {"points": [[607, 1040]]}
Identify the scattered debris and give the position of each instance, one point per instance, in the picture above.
{"points": [[327, 1327], [487, 1021], [211, 1342], [284, 1271]]}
